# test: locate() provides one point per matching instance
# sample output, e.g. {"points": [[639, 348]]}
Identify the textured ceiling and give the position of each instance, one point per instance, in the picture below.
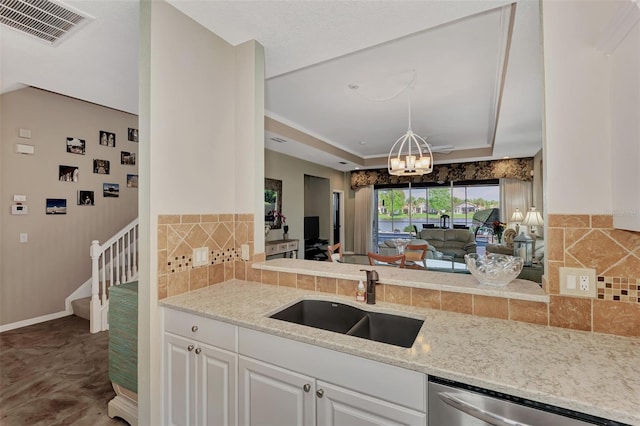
{"points": [[314, 50]]}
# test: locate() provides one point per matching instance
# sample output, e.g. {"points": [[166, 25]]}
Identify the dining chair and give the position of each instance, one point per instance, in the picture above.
{"points": [[416, 255], [334, 252], [393, 260]]}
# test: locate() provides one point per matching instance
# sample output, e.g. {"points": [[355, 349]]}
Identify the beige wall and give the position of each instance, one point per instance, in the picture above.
{"points": [[291, 171], [38, 275]]}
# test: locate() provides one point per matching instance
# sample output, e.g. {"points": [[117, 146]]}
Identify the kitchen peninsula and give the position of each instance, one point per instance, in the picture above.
{"points": [[587, 372]]}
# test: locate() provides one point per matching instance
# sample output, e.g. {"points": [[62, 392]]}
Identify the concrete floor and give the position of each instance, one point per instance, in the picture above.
{"points": [[55, 373]]}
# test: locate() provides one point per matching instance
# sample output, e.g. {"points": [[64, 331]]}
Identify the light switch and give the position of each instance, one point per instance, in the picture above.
{"points": [[24, 237]]}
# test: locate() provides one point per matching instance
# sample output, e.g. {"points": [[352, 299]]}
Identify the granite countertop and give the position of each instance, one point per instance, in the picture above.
{"points": [[589, 372], [434, 280]]}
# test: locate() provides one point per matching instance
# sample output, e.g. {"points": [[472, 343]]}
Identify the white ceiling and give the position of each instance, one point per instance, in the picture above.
{"points": [[453, 50]]}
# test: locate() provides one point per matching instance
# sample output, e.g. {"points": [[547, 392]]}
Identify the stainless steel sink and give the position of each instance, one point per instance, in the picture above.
{"points": [[345, 319]]}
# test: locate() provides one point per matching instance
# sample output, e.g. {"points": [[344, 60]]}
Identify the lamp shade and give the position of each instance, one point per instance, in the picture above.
{"points": [[517, 216], [533, 218]]}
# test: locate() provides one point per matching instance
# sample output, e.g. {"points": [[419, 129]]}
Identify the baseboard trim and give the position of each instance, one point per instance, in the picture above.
{"points": [[32, 321]]}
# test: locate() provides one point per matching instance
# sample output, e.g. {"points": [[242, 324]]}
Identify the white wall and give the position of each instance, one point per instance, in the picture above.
{"points": [[577, 146], [193, 119]]}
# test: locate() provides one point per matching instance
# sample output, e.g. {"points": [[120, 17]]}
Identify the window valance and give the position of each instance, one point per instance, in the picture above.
{"points": [[516, 168]]}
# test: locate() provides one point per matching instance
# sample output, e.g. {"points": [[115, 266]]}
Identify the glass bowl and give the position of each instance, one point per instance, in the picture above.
{"points": [[494, 269]]}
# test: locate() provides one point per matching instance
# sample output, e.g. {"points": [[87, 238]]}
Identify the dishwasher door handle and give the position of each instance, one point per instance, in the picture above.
{"points": [[477, 412]]}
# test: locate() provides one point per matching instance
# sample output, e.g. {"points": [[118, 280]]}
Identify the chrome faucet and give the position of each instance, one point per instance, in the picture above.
{"points": [[372, 280]]}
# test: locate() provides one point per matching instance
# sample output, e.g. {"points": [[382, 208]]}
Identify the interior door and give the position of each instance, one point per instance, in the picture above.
{"points": [[337, 222]]}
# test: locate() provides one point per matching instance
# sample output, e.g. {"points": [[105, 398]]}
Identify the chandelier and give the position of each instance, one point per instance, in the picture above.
{"points": [[410, 155]]}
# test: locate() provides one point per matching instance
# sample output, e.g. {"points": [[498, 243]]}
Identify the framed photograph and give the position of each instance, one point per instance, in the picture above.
{"points": [[107, 138], [111, 189], [101, 167], [68, 173], [132, 181], [128, 158], [76, 146], [132, 134], [56, 206], [86, 198]]}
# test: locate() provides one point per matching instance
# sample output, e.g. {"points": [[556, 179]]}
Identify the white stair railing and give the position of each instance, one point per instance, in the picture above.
{"points": [[114, 262]]}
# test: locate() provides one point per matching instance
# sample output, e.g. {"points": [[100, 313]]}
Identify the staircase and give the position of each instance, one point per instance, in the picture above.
{"points": [[114, 262]]}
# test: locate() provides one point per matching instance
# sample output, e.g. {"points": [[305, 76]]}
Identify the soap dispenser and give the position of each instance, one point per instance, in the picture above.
{"points": [[361, 292]]}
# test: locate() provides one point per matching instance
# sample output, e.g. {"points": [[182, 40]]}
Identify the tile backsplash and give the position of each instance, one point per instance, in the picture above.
{"points": [[222, 234], [588, 241]]}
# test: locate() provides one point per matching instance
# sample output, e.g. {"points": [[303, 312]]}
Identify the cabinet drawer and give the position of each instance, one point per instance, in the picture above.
{"points": [[292, 245], [205, 330], [271, 249]]}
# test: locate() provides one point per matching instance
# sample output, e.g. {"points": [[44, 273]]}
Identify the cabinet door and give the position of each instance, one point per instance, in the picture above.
{"points": [[270, 395], [216, 386], [342, 407], [179, 398]]}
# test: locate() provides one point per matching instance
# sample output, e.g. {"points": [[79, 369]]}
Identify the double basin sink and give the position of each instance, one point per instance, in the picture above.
{"points": [[345, 319]]}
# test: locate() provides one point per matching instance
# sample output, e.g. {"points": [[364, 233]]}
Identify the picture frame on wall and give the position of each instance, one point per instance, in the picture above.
{"points": [[101, 167], [56, 206], [107, 138], [111, 190], [68, 173], [86, 198], [76, 146], [132, 181], [128, 158], [132, 134]]}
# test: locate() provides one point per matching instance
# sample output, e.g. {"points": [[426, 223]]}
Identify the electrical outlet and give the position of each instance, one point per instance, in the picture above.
{"points": [[244, 254], [578, 282], [584, 282]]}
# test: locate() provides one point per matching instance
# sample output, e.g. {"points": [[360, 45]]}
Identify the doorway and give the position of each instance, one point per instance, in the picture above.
{"points": [[338, 217]]}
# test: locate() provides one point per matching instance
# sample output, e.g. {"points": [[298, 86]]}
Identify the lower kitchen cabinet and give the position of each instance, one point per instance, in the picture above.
{"points": [[200, 379], [338, 406], [271, 395]]}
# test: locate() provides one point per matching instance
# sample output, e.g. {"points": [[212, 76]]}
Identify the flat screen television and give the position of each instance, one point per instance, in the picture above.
{"points": [[311, 227]]}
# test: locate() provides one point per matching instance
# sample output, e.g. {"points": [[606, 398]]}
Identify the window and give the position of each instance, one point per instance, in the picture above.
{"points": [[404, 210]]}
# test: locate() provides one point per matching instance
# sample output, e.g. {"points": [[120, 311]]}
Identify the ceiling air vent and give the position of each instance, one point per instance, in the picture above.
{"points": [[43, 19], [279, 140]]}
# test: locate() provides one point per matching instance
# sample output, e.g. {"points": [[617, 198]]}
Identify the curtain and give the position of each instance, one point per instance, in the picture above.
{"points": [[514, 194], [363, 220]]}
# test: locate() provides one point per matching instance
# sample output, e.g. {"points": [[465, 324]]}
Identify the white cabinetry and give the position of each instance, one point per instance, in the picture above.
{"points": [[270, 395], [292, 383], [200, 364]]}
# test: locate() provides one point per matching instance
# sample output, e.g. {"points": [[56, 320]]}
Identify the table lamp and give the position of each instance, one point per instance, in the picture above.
{"points": [[517, 217]]}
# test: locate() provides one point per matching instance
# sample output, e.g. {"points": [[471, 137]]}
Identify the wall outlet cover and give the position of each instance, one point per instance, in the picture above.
{"points": [[585, 278]]}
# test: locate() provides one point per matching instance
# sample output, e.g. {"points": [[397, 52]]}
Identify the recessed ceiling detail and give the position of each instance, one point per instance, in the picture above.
{"points": [[48, 21]]}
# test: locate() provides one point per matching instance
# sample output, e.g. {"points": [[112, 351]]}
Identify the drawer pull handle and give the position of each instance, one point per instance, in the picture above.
{"points": [[190, 348], [319, 393], [194, 328], [306, 387], [198, 351]]}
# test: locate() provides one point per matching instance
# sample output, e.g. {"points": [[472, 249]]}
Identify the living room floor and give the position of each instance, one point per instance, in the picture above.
{"points": [[55, 373]]}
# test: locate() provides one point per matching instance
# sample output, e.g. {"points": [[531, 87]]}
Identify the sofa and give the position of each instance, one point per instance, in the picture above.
{"points": [[451, 242]]}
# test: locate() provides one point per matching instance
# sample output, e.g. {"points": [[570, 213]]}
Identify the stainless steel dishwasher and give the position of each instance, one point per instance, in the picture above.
{"points": [[457, 404]]}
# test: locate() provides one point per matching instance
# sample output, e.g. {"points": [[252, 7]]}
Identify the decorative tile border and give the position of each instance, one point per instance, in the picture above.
{"points": [[619, 289], [222, 234]]}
